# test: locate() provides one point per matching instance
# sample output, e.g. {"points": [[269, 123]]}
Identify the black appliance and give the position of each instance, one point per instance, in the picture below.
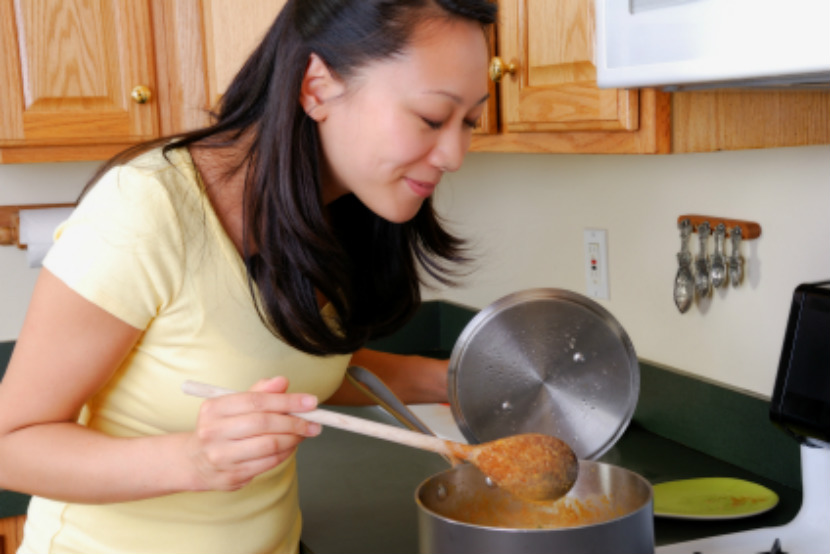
{"points": [[801, 398]]}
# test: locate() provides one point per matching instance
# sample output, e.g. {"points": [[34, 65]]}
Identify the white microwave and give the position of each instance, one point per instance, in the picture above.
{"points": [[688, 44]]}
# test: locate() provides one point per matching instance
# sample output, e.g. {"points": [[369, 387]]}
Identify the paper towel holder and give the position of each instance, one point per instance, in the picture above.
{"points": [[10, 221]]}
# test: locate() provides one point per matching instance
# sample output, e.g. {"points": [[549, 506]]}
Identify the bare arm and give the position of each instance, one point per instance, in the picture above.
{"points": [[414, 379], [67, 350]]}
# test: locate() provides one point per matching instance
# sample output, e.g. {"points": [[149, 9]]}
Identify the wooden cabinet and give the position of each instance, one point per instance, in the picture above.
{"points": [[11, 534], [554, 84], [200, 45], [550, 101], [69, 69], [181, 86], [233, 28]]}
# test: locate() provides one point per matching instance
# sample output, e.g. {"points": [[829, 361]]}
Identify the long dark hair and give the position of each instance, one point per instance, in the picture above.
{"points": [[367, 267]]}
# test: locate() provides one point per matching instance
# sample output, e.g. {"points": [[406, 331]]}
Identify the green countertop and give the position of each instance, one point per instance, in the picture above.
{"points": [[12, 503]]}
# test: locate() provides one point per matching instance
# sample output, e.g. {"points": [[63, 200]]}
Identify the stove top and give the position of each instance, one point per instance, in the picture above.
{"points": [[807, 533]]}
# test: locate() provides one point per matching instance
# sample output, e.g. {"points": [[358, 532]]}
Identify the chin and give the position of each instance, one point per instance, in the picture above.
{"points": [[397, 213], [405, 216], [399, 218]]}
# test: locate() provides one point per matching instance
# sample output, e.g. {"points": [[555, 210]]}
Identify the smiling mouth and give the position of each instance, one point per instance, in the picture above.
{"points": [[421, 188]]}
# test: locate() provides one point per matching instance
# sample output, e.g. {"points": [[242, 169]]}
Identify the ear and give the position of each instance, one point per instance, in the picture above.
{"points": [[319, 85]]}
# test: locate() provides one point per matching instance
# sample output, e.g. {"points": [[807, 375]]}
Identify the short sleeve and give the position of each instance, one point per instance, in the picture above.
{"points": [[121, 248]]}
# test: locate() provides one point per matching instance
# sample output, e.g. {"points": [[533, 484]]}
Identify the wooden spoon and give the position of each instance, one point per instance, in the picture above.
{"points": [[531, 466]]}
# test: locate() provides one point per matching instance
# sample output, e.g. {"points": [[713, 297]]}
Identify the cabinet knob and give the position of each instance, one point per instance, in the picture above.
{"points": [[141, 94], [498, 68]]}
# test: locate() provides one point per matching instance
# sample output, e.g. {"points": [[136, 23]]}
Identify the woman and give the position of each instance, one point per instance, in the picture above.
{"points": [[258, 254]]}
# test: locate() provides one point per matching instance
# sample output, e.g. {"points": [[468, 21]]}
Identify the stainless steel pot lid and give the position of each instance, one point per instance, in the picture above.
{"points": [[548, 361]]}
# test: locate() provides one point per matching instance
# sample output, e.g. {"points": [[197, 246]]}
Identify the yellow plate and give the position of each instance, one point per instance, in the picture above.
{"points": [[712, 498]]}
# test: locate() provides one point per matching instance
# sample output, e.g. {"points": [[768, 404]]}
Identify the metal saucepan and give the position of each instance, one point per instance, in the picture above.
{"points": [[547, 361], [610, 509]]}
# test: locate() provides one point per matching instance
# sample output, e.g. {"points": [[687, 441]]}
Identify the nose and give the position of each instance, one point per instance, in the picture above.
{"points": [[450, 149]]}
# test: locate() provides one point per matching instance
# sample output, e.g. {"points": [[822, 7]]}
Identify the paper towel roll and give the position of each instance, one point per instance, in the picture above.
{"points": [[37, 229]]}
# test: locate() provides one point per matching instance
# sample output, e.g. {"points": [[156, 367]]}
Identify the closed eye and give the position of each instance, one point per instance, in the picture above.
{"points": [[435, 125]]}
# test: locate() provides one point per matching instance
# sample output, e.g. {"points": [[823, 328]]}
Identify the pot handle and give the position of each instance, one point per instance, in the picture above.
{"points": [[369, 384]]}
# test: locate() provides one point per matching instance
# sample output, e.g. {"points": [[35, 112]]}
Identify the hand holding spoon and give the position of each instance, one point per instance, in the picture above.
{"points": [[531, 466]]}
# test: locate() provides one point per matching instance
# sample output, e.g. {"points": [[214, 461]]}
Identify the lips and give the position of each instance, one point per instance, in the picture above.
{"points": [[421, 188]]}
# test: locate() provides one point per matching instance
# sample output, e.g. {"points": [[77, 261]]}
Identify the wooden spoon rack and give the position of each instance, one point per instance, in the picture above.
{"points": [[697, 276], [749, 229]]}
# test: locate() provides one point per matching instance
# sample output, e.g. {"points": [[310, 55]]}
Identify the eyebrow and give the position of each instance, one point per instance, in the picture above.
{"points": [[457, 99]]}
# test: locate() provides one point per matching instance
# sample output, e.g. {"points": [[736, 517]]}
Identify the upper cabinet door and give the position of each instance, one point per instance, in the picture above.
{"points": [[233, 28], [550, 44], [68, 69]]}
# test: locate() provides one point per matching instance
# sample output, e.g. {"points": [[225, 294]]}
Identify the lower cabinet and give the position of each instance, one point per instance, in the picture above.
{"points": [[11, 534]]}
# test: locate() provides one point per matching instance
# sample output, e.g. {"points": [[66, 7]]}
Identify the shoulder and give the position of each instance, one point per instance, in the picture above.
{"points": [[127, 233], [152, 194], [146, 202], [152, 180]]}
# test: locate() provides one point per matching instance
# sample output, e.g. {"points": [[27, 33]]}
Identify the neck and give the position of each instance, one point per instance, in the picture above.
{"points": [[224, 186]]}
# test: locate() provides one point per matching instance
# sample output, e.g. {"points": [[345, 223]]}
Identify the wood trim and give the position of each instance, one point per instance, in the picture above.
{"points": [[60, 153], [707, 121]]}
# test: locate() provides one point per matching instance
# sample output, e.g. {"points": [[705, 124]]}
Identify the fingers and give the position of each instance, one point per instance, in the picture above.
{"points": [[239, 436], [276, 384], [234, 462], [265, 396], [246, 419]]}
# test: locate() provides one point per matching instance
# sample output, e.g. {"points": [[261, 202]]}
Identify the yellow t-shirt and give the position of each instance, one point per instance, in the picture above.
{"points": [[146, 246]]}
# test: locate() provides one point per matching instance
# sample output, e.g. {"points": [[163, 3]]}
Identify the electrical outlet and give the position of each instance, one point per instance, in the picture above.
{"points": [[596, 263]]}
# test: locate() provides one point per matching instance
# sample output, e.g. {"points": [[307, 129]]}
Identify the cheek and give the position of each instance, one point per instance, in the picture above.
{"points": [[367, 144], [402, 140]]}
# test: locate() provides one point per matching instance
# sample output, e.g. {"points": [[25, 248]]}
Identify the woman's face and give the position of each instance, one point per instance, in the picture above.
{"points": [[400, 123]]}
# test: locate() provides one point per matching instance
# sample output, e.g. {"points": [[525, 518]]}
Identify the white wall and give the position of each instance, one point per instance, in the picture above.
{"points": [[31, 184], [525, 215]]}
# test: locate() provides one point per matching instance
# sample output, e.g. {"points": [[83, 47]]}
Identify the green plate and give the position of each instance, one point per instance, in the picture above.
{"points": [[712, 498]]}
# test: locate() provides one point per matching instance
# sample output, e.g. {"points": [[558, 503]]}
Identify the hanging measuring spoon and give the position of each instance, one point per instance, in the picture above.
{"points": [[683, 281], [736, 261], [702, 283], [717, 272]]}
